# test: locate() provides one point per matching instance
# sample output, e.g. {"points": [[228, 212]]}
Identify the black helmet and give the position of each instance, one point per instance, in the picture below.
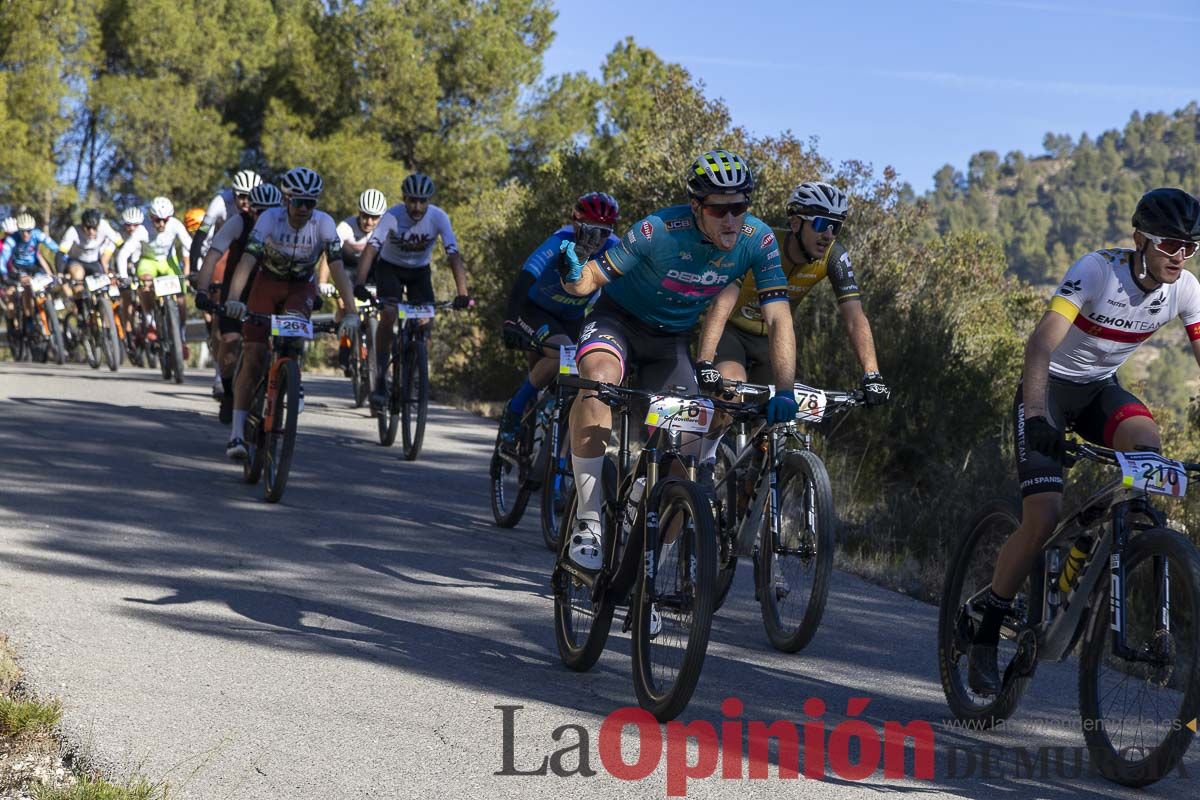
{"points": [[1171, 213], [91, 218]]}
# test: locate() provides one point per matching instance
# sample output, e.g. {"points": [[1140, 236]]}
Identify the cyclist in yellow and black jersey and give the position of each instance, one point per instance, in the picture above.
{"points": [[734, 333]]}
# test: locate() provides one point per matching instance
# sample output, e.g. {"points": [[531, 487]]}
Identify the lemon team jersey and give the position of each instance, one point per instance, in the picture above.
{"points": [[1112, 315], [801, 278]]}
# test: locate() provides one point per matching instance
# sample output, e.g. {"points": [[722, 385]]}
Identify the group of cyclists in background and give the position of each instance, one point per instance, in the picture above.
{"points": [[695, 300]]}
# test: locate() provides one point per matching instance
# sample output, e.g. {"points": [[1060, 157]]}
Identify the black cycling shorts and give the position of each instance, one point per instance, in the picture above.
{"points": [[1093, 410], [660, 358], [752, 352], [89, 267], [408, 284], [531, 318]]}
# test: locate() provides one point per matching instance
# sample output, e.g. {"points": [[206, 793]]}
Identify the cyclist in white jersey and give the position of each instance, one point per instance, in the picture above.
{"points": [[355, 233], [88, 247], [404, 244], [1108, 304], [159, 247]]}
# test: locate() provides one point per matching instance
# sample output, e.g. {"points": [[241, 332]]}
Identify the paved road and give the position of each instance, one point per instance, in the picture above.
{"points": [[356, 639]]}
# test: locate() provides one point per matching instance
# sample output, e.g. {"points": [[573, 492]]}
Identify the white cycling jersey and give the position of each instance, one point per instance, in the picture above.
{"points": [[1112, 316], [350, 231], [221, 208], [76, 245], [229, 233], [146, 242], [292, 254], [405, 243]]}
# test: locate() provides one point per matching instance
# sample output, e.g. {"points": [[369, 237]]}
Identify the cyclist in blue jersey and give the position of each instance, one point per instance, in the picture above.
{"points": [[21, 255], [656, 283], [541, 315]]}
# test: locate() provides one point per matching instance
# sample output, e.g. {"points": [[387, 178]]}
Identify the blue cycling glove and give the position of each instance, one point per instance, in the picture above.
{"points": [[782, 407], [571, 268]]}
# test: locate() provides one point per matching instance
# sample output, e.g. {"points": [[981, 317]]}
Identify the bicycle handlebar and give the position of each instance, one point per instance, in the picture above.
{"points": [[1073, 452], [613, 395]]}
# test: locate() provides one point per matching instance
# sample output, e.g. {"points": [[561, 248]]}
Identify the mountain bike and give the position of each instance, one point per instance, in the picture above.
{"points": [[43, 332], [169, 344], [659, 554], [1115, 579], [540, 458], [98, 333], [772, 476], [408, 366], [276, 402]]}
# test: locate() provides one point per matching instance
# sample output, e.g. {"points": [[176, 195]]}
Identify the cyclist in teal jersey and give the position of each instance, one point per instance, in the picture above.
{"points": [[656, 283]]}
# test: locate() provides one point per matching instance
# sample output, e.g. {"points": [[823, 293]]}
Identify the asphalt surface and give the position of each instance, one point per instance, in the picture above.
{"points": [[357, 639]]}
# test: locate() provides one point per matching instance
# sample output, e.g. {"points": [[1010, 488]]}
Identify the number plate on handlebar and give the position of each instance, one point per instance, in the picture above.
{"points": [[1153, 473], [810, 403], [167, 285], [291, 327], [96, 282], [406, 311], [566, 360], [114, 290], [678, 414], [40, 281]]}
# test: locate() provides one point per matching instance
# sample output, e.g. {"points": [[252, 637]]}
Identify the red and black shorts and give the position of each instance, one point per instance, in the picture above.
{"points": [[271, 295], [1093, 410]]}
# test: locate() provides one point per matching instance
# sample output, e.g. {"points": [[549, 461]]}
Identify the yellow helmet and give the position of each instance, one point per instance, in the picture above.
{"points": [[192, 219]]}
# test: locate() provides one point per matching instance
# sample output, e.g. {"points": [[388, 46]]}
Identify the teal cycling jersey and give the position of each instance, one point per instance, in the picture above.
{"points": [[665, 271]]}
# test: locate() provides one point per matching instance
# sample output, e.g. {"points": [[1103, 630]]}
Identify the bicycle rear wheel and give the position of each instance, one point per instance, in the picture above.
{"points": [[672, 609], [281, 439], [794, 572], [1136, 712], [415, 396], [510, 484], [968, 579], [89, 337], [581, 622]]}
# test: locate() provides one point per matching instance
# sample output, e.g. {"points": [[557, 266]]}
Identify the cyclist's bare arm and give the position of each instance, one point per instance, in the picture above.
{"points": [[208, 268], [859, 331], [591, 280], [364, 264], [344, 283], [781, 341], [1047, 336], [240, 275], [715, 317], [460, 272]]}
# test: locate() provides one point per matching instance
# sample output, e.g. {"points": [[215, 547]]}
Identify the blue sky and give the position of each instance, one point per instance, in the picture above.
{"points": [[914, 84]]}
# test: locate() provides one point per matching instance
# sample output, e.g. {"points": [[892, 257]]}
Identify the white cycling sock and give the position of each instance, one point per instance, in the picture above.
{"points": [[239, 424], [587, 486], [708, 450]]}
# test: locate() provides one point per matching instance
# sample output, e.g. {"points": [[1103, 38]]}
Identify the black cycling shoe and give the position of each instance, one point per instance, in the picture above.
{"points": [[983, 677]]}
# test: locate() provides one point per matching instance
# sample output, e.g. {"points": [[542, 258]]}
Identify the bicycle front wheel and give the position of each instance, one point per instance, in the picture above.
{"points": [[557, 481], [414, 396], [673, 607], [389, 416], [175, 340], [510, 487], [794, 571], [281, 439], [1136, 707], [108, 335], [252, 467], [57, 339]]}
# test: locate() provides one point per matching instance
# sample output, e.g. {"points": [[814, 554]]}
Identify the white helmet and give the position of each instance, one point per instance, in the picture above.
{"points": [[265, 195], [372, 202], [10, 225], [302, 182], [161, 208], [245, 180], [815, 197], [25, 222], [133, 216]]}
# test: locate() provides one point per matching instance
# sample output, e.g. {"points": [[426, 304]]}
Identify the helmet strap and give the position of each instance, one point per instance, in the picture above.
{"points": [[1145, 273]]}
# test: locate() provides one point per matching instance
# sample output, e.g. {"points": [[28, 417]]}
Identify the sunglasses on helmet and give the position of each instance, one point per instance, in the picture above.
{"points": [[1170, 247], [822, 224]]}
